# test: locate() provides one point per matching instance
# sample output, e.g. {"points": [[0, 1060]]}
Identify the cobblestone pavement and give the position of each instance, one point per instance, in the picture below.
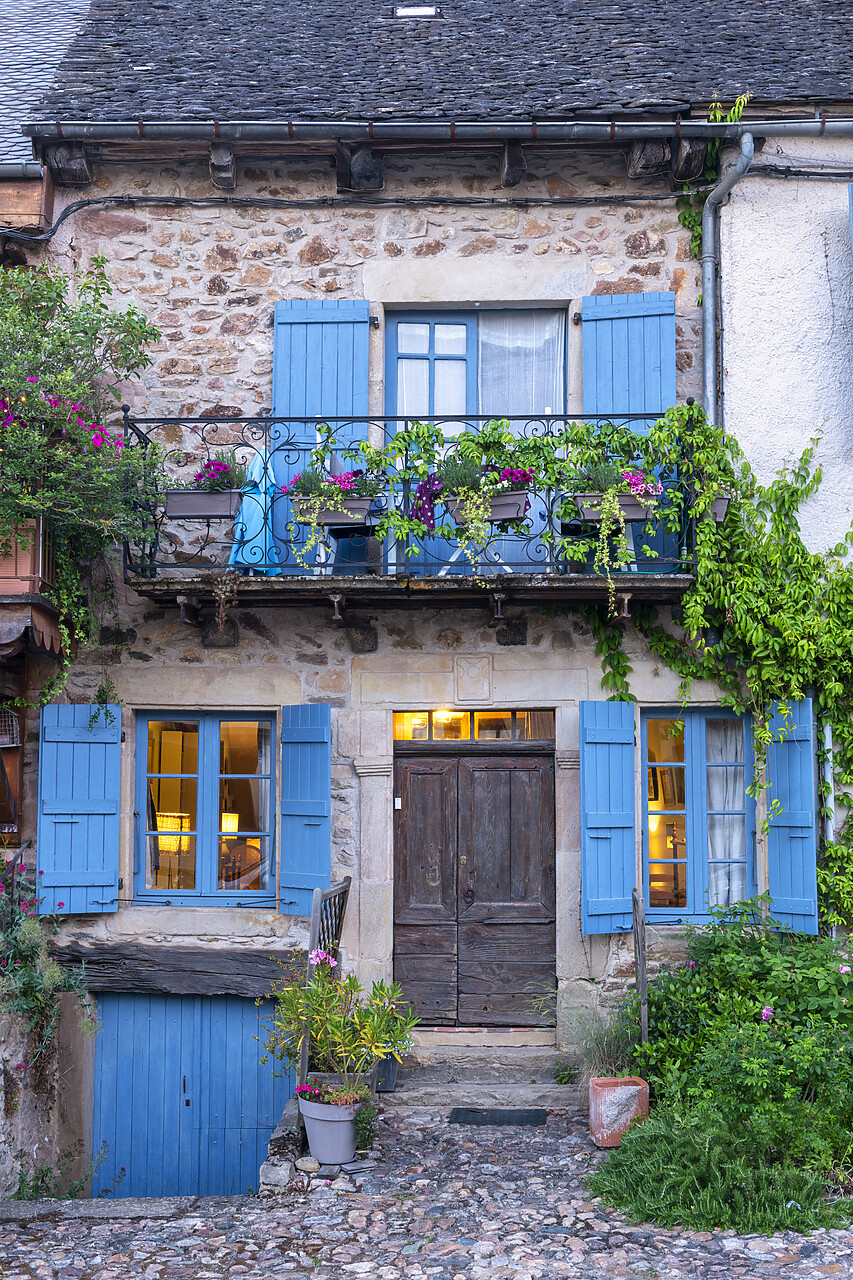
{"points": [[445, 1202]]}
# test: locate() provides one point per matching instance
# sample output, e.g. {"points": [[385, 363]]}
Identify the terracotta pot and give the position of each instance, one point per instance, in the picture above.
{"points": [[589, 505], [615, 1102], [198, 504], [354, 512], [503, 506]]}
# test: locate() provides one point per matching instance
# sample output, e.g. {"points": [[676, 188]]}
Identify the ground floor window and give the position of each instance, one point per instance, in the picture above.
{"points": [[699, 823], [205, 805]]}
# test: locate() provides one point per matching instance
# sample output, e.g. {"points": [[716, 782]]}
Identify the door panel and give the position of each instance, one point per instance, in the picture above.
{"points": [[474, 925], [181, 1098]]}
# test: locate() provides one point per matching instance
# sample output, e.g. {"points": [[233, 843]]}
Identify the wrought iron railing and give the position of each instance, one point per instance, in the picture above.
{"points": [[263, 539]]}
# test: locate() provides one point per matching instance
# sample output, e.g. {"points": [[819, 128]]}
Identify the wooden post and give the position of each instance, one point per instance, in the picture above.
{"points": [[639, 912]]}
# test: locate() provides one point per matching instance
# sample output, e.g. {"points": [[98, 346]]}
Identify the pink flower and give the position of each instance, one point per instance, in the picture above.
{"points": [[60, 904], [32, 379], [322, 957], [844, 968], [97, 439], [766, 1013]]}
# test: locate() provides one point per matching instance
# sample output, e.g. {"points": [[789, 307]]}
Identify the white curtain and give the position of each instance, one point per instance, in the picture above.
{"points": [[521, 362], [726, 830]]}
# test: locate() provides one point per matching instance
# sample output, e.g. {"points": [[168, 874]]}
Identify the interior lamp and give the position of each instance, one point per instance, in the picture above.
{"points": [[442, 717], [171, 842], [229, 823]]}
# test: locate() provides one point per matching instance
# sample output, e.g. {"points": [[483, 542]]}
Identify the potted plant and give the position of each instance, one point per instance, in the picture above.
{"points": [[611, 484], [318, 498], [349, 1032], [474, 494], [214, 493]]}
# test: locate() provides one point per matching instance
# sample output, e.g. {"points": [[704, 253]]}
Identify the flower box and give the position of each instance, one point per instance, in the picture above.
{"points": [[503, 506], [717, 510], [305, 511], [589, 505], [200, 504]]}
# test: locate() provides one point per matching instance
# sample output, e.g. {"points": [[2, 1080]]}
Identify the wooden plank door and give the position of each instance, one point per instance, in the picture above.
{"points": [[506, 894], [425, 791]]}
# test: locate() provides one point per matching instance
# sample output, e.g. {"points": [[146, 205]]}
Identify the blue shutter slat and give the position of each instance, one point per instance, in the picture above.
{"points": [[306, 805], [629, 354], [608, 856], [792, 840], [78, 813]]}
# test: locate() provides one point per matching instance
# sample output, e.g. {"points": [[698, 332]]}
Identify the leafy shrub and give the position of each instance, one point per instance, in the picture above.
{"points": [[696, 1171], [50, 1181]]}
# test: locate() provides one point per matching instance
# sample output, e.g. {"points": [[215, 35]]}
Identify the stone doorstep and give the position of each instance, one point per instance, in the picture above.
{"points": [[492, 1037], [36, 1210]]}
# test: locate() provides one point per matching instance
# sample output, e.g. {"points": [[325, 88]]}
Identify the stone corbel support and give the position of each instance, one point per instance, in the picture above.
{"points": [[223, 167], [568, 759], [375, 766]]}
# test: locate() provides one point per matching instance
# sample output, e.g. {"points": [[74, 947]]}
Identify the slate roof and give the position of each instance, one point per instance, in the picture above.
{"points": [[33, 38], [483, 59]]}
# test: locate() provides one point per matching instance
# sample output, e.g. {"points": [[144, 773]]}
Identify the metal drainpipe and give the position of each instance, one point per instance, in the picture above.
{"points": [[709, 264], [10, 170]]}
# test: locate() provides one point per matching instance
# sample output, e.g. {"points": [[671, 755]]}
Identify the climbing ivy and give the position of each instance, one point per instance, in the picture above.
{"points": [[767, 620], [691, 204]]}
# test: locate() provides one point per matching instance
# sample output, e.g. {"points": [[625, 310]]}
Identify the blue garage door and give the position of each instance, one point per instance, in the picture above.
{"points": [[181, 1097]]}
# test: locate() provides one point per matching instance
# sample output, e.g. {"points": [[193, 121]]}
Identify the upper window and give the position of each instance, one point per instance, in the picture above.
{"points": [[698, 815], [206, 824], [495, 363]]}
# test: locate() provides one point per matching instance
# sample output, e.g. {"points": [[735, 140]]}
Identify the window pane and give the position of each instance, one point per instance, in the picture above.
{"points": [[244, 746], [413, 338], [665, 740], [667, 837], [493, 724], [666, 787], [725, 786], [170, 861], [450, 389], [171, 804], [667, 884], [724, 741], [521, 365], [450, 726], [537, 726], [244, 804], [412, 388], [726, 883], [410, 725], [726, 838], [172, 746], [244, 864], [450, 339]]}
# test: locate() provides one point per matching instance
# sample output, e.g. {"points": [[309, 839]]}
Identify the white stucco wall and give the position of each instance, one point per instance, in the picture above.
{"points": [[787, 321]]}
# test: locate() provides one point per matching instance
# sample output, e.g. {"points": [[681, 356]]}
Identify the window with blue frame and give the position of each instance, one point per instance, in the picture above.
{"points": [[496, 363], [698, 818], [205, 808]]}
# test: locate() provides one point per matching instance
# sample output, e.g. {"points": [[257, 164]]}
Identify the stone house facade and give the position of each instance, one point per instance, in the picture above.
{"points": [[374, 721]]}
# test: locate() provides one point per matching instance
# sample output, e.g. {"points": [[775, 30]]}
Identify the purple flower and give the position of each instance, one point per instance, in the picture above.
{"points": [[844, 968], [766, 1013], [322, 957]]}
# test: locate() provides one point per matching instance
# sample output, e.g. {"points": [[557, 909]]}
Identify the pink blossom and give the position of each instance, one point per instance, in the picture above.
{"points": [[766, 1013], [844, 968], [320, 957], [60, 904]]}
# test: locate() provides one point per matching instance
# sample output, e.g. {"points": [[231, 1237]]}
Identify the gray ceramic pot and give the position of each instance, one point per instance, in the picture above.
{"points": [[354, 512], [503, 506], [331, 1131], [589, 505]]}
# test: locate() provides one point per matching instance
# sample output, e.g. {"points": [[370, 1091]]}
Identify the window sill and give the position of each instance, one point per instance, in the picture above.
{"points": [[261, 902]]}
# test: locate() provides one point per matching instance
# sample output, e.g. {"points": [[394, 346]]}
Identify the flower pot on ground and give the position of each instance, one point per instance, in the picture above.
{"points": [[386, 1074], [196, 504], [615, 1102], [329, 1115]]}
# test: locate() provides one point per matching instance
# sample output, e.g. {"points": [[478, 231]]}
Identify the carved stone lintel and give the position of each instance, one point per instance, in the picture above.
{"points": [[568, 759], [374, 766]]}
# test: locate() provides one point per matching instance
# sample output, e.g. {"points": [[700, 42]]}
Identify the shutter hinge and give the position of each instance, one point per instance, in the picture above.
{"points": [[123, 736], [120, 882], [577, 318]]}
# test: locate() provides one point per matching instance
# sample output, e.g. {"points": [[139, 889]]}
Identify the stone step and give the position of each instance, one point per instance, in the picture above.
{"points": [[442, 1097], [452, 1065]]}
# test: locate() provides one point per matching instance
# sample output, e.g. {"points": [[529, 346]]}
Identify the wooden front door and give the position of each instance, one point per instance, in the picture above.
{"points": [[474, 893]]}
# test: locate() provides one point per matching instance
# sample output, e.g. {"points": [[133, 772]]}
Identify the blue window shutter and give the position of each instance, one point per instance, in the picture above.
{"points": [[792, 842], [306, 805], [608, 858], [78, 812], [629, 354]]}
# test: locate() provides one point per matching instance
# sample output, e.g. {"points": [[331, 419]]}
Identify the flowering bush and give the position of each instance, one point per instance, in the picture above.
{"points": [[348, 1031]]}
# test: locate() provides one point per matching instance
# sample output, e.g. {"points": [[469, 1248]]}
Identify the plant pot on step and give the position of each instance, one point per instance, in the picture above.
{"points": [[615, 1102], [502, 506], [589, 505], [198, 504], [386, 1074], [354, 511], [330, 1130]]}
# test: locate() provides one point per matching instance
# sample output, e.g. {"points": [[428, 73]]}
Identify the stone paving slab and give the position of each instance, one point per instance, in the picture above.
{"points": [[443, 1203]]}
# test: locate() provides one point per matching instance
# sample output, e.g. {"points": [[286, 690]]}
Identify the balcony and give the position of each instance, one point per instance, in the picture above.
{"points": [[28, 617], [549, 556]]}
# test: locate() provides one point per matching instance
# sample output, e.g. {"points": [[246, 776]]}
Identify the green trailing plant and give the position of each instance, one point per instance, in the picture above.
{"points": [[64, 354], [692, 203], [31, 980]]}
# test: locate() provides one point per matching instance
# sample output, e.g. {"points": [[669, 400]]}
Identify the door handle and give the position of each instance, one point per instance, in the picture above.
{"points": [[471, 891], [462, 860]]}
